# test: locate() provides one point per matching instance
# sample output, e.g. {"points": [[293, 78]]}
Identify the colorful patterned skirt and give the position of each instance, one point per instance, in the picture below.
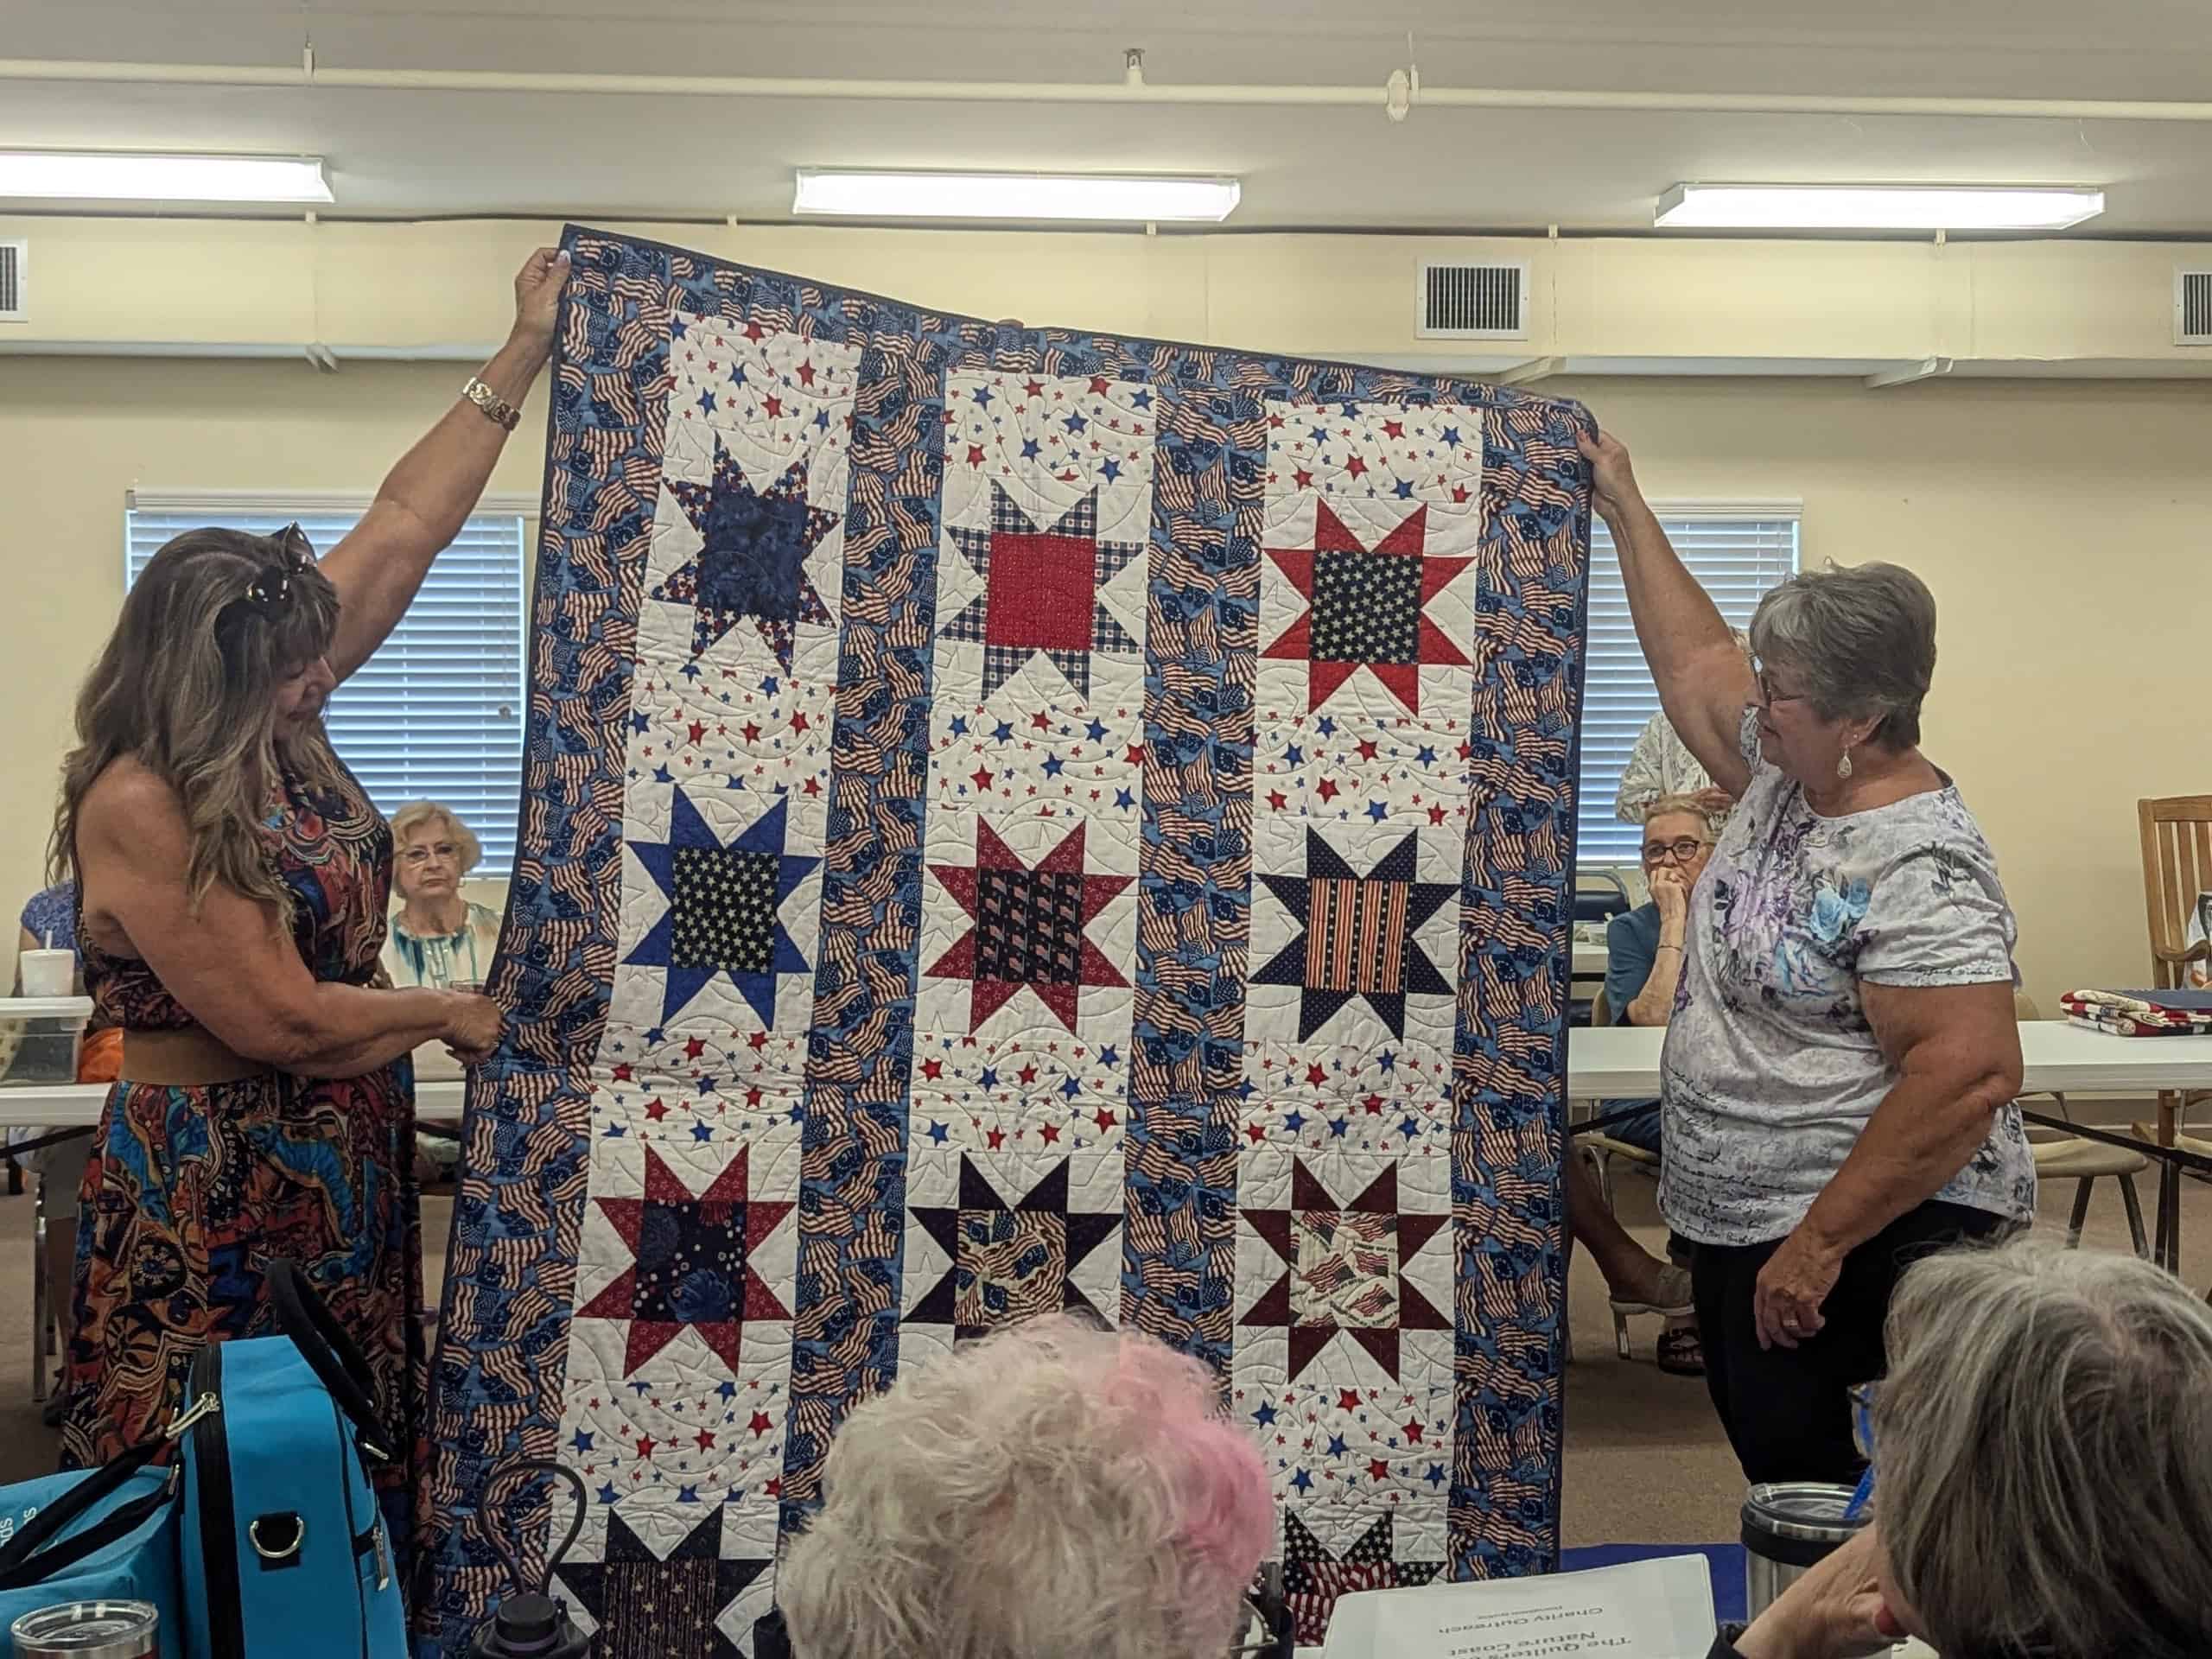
{"points": [[190, 1191]]}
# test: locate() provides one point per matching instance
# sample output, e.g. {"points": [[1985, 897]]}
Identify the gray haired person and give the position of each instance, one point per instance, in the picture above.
{"points": [[1838, 1081], [2042, 1463]]}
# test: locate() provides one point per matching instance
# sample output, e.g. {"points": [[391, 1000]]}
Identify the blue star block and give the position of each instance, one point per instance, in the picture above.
{"points": [[938, 1133], [1451, 436], [701, 1134], [1404, 490], [1054, 766], [959, 726], [1377, 811], [1303, 1481], [1294, 1121], [706, 403], [1123, 799], [1075, 423], [1109, 1055], [640, 723], [677, 327], [1029, 450], [1096, 731], [689, 835], [737, 375], [1386, 1059], [1294, 755], [687, 1494], [1142, 400], [988, 1080], [770, 685], [583, 1440], [1337, 1127], [1326, 726], [1321, 435], [1264, 1416], [1110, 470], [1425, 756], [663, 775], [727, 1391], [1245, 1090], [982, 396], [607, 1493], [1337, 1447], [1435, 1475], [1004, 732], [1071, 1087], [1410, 1128]]}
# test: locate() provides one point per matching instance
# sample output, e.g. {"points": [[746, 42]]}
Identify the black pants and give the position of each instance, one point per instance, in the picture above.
{"points": [[1787, 1410]]}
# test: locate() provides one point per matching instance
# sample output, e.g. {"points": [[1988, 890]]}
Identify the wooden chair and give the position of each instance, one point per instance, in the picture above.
{"points": [[2177, 867]]}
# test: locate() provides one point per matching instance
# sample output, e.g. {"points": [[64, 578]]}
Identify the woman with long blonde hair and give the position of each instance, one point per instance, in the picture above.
{"points": [[232, 879]]}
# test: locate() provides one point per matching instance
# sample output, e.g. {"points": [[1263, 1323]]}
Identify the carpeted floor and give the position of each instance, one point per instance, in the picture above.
{"points": [[1645, 1461]]}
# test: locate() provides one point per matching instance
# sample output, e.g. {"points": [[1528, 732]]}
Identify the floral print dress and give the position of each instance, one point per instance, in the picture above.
{"points": [[1772, 1068], [191, 1191]]}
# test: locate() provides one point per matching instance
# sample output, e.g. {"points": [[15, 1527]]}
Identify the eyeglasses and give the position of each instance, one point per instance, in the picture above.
{"points": [[1768, 695], [274, 587], [1684, 849]]}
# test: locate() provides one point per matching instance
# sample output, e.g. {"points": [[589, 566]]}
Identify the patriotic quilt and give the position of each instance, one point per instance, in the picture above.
{"points": [[1015, 820]]}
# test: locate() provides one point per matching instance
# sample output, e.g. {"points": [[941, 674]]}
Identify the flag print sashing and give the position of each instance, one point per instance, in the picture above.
{"points": [[1015, 821]]}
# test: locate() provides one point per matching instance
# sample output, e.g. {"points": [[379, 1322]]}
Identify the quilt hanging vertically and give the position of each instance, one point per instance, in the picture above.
{"points": [[1017, 819]]}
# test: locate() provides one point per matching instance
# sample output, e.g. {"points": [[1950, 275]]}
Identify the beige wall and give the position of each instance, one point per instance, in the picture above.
{"points": [[2063, 527]]}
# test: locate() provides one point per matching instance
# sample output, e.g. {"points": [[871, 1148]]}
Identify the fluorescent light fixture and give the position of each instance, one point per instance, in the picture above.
{"points": [[1876, 207], [1014, 195], [116, 175]]}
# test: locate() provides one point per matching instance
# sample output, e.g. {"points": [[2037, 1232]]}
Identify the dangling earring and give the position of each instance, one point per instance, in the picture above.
{"points": [[1843, 764]]}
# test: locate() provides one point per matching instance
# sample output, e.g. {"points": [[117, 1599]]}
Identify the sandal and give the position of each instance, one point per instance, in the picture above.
{"points": [[1673, 1299], [1681, 1352]]}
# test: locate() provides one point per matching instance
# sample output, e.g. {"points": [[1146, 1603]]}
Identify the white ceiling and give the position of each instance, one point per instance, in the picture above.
{"points": [[406, 152]]}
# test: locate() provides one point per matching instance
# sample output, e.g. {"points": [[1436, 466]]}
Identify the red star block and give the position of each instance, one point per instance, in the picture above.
{"points": [[1348, 1400], [1303, 479], [1256, 1133], [1098, 385], [1051, 1132], [806, 376], [1010, 902], [1325, 675], [932, 1070], [1275, 799], [981, 779], [1413, 1433], [1316, 1076], [1356, 466], [754, 332], [975, 454], [1040, 722], [679, 1238], [1033, 388], [656, 1110], [1027, 1074], [1328, 790], [1377, 1470], [800, 723], [1394, 428], [693, 1048], [698, 732], [646, 1444], [995, 1137], [1436, 815], [772, 406], [751, 731], [1104, 1119], [1136, 756], [706, 1441], [1459, 494], [1366, 749], [1374, 1105], [622, 1072], [760, 1425]]}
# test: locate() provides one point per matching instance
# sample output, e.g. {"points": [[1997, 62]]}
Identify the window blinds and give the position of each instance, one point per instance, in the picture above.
{"points": [[437, 713], [1738, 554]]}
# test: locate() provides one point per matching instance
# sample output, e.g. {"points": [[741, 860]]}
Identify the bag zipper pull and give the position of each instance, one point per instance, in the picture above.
{"points": [[206, 1405]]}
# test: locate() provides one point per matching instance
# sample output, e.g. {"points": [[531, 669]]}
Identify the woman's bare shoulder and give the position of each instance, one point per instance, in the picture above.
{"points": [[130, 803]]}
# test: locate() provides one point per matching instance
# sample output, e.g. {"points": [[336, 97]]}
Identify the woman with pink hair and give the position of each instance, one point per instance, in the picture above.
{"points": [[1056, 1490]]}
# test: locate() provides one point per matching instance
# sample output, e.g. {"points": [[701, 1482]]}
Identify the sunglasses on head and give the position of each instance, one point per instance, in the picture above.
{"points": [[273, 587]]}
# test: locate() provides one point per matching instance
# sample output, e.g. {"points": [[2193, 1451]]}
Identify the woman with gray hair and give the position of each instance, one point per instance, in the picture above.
{"points": [[1838, 1080], [1055, 1491], [2042, 1463]]}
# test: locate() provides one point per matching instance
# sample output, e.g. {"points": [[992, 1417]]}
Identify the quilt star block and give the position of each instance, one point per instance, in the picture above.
{"points": [[1356, 934], [693, 1262], [1366, 607], [1029, 925], [724, 902], [1343, 1270], [751, 565], [1313, 1575], [648, 1606], [1040, 594]]}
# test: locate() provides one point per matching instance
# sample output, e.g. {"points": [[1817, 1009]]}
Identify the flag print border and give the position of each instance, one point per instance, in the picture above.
{"points": [[528, 1135]]}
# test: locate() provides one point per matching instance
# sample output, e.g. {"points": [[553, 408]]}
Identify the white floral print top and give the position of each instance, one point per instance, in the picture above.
{"points": [[1770, 1068]]}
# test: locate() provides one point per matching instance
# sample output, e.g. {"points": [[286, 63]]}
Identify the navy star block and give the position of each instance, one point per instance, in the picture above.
{"points": [[752, 562]]}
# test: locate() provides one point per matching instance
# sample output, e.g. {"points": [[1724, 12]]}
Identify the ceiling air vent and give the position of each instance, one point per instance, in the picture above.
{"points": [[1473, 302], [2193, 308], [15, 303]]}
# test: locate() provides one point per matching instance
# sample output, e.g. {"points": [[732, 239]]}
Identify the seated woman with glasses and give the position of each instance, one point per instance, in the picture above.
{"points": [[2043, 1471], [1837, 1086], [1054, 1489], [1643, 963], [233, 878]]}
